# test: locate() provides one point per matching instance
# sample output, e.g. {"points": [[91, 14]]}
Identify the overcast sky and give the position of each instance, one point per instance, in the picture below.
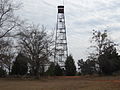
{"points": [[82, 16]]}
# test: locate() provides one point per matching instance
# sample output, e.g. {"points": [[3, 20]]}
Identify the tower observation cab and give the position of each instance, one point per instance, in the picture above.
{"points": [[60, 9]]}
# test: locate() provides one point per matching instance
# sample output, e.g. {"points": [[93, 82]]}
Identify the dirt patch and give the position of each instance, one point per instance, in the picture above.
{"points": [[63, 83]]}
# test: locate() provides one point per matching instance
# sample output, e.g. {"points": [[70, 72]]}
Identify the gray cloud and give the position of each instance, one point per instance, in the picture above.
{"points": [[82, 16]]}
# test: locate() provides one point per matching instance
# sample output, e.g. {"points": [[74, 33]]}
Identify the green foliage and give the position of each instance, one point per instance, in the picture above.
{"points": [[51, 70], [109, 61], [86, 67], [54, 70], [70, 66], [20, 65], [2, 72], [106, 56], [58, 71]]}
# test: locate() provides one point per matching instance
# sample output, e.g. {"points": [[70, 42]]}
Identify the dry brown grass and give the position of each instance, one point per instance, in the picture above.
{"points": [[63, 83]]}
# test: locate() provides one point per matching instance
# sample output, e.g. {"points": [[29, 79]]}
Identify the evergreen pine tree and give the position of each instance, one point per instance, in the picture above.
{"points": [[109, 61], [70, 66], [2, 72], [51, 70], [58, 71], [20, 65]]}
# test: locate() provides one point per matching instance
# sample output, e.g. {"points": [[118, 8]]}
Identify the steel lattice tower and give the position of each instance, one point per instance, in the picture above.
{"points": [[61, 50]]}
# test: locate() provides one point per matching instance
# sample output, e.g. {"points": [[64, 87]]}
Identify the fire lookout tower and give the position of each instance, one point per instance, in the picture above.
{"points": [[61, 49]]}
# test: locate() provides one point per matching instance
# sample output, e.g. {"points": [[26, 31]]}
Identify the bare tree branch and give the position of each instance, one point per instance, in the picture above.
{"points": [[8, 21]]}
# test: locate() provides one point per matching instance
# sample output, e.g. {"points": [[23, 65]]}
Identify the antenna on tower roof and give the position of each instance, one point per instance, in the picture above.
{"points": [[63, 2]]}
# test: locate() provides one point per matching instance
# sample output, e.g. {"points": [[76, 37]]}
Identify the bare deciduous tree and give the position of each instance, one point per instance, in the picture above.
{"points": [[6, 54], [8, 22], [36, 44]]}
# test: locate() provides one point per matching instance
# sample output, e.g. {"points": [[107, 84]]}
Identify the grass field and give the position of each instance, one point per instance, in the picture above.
{"points": [[63, 83]]}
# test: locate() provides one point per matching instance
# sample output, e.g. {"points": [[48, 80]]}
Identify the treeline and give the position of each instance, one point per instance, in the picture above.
{"points": [[68, 70], [104, 58], [22, 67]]}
